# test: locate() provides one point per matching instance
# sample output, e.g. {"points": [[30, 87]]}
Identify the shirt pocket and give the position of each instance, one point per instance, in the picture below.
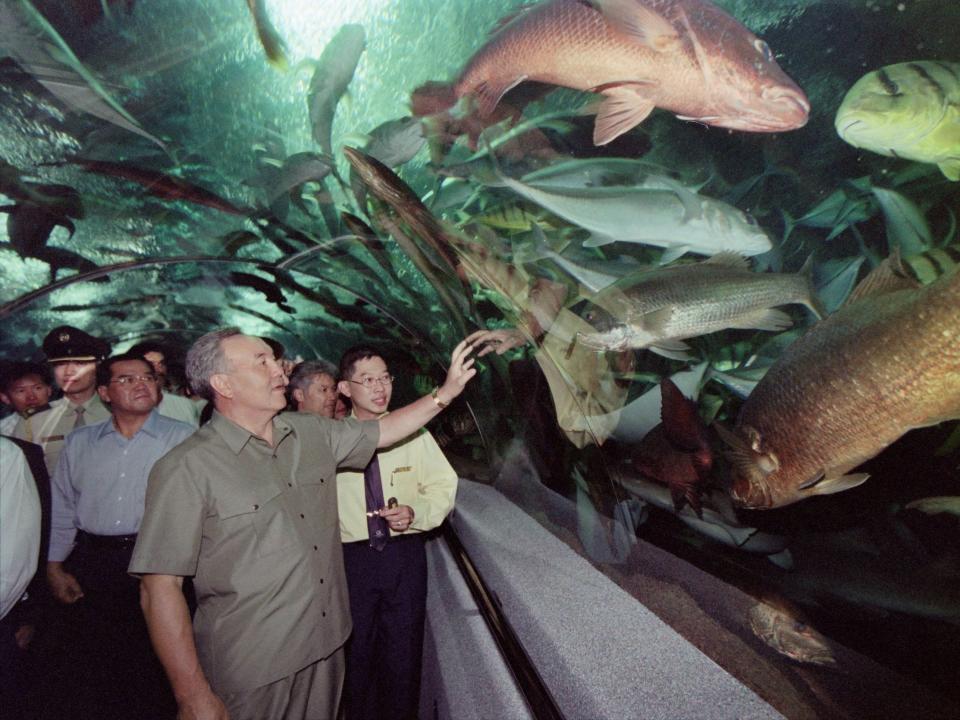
{"points": [[259, 515]]}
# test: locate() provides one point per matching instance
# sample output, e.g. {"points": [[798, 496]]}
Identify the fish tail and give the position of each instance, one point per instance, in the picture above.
{"points": [[812, 300], [432, 98]]}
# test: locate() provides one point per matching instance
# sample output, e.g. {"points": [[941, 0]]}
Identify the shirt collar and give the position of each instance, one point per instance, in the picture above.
{"points": [[237, 437], [86, 405], [150, 426]]}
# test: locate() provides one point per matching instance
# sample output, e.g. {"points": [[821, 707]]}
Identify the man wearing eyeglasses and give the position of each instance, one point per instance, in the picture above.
{"points": [[405, 490], [98, 491]]}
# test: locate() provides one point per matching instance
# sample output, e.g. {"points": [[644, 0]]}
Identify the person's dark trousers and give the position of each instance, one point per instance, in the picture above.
{"points": [[388, 596], [120, 676], [13, 689]]}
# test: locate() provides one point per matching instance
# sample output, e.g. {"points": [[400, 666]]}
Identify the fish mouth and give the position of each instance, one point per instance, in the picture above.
{"points": [[784, 108], [845, 129]]}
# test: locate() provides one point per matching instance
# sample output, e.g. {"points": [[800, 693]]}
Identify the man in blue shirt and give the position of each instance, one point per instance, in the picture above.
{"points": [[98, 491]]}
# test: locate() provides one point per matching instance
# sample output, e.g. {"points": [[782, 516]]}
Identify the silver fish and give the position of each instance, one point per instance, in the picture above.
{"points": [[665, 215], [659, 309]]}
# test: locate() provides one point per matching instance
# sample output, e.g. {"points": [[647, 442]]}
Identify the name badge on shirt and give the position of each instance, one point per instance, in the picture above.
{"points": [[405, 468], [50, 438]]}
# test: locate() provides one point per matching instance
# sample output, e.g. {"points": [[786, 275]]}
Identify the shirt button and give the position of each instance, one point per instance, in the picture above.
{"points": [[321, 480], [289, 484], [321, 581], [256, 507], [315, 547], [324, 614], [301, 516], [123, 474]]}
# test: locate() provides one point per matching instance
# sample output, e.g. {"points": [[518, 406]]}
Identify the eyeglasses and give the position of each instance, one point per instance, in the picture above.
{"points": [[133, 379], [369, 382]]}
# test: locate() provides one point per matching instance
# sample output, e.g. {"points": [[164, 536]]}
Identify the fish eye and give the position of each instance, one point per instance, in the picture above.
{"points": [[764, 49]]}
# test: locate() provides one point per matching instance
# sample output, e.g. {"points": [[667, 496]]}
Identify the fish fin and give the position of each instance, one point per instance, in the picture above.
{"points": [[673, 349], [766, 319], [889, 276], [692, 210], [624, 108], [681, 422], [655, 322], [639, 23], [739, 451], [728, 258], [672, 253], [823, 485], [950, 168], [510, 17], [934, 505], [489, 92], [596, 240], [432, 98], [783, 559], [812, 301]]}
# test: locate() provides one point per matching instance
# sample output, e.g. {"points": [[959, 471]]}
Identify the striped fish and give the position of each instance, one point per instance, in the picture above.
{"points": [[928, 266], [908, 110]]}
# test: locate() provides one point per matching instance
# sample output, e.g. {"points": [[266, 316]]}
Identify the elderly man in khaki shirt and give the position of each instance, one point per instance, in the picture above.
{"points": [[246, 506]]}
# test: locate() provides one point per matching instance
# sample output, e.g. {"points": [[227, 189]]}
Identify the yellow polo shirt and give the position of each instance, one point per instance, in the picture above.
{"points": [[415, 472]]}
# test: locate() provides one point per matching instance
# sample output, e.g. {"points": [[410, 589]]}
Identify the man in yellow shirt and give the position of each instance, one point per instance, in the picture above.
{"points": [[407, 489]]}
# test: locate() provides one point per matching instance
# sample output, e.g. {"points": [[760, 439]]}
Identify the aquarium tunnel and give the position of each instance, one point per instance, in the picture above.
{"points": [[709, 465]]}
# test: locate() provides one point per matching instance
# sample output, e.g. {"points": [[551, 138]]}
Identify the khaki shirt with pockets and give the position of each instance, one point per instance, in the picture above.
{"points": [[256, 527], [49, 428]]}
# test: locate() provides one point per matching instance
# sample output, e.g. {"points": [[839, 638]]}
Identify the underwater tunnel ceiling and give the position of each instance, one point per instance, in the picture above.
{"points": [[199, 153]]}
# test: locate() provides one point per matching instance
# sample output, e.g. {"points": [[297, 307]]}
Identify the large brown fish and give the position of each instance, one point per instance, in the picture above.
{"points": [[852, 385], [686, 56]]}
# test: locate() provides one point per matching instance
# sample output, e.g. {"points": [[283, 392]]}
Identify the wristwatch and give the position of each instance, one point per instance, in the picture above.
{"points": [[436, 398]]}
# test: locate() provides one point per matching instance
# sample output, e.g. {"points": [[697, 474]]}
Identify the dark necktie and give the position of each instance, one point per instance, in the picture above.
{"points": [[79, 422], [376, 525]]}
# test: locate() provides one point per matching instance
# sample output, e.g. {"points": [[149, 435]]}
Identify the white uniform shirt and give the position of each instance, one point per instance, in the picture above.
{"points": [[19, 525]]}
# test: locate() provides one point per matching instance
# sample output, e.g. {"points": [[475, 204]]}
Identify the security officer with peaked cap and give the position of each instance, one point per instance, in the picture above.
{"points": [[73, 356]]}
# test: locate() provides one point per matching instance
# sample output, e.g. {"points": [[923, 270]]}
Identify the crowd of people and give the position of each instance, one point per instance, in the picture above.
{"points": [[241, 539]]}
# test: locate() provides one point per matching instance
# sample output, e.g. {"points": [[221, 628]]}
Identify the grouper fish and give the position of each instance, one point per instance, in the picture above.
{"points": [[853, 384], [685, 56], [908, 110], [658, 309]]}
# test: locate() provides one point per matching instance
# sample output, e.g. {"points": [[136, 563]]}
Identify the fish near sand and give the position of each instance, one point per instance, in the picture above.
{"points": [[685, 56], [853, 384], [908, 110], [782, 628], [331, 76], [660, 308]]}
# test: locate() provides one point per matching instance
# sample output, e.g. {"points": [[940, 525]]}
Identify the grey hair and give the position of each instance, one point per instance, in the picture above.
{"points": [[205, 358], [304, 373]]}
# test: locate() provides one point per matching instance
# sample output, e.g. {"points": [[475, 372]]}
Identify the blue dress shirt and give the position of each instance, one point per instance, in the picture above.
{"points": [[101, 479]]}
